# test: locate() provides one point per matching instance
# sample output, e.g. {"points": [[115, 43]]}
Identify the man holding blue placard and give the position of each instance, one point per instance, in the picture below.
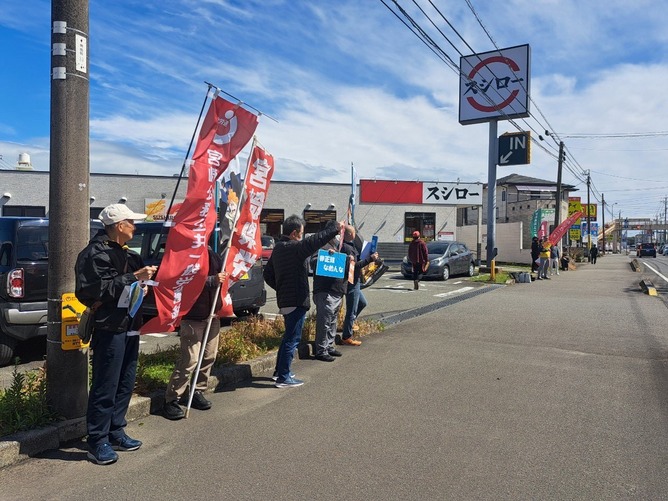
{"points": [[329, 286]]}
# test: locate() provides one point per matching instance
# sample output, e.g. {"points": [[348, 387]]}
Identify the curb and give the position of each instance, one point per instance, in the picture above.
{"points": [[22, 445]]}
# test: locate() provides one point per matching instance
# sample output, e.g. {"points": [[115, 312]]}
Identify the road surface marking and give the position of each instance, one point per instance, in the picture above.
{"points": [[443, 294]]}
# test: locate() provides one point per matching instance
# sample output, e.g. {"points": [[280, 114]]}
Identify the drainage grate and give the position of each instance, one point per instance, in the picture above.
{"points": [[405, 315]]}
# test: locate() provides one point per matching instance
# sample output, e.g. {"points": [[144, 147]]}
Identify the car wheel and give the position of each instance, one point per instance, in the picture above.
{"points": [[445, 274], [471, 269], [7, 345]]}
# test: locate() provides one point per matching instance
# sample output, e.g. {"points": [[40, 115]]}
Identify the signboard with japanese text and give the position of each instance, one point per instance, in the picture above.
{"points": [[331, 265], [574, 205], [373, 191], [452, 193], [574, 233], [71, 314], [494, 85], [589, 209]]}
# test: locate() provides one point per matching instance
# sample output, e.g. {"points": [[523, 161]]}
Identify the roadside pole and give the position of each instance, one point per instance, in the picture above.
{"points": [[67, 371], [491, 192]]}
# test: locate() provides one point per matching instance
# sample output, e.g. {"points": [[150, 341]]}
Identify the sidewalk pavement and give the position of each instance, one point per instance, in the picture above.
{"points": [[22, 445]]}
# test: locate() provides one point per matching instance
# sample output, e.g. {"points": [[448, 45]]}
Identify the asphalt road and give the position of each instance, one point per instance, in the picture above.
{"points": [[550, 390]]}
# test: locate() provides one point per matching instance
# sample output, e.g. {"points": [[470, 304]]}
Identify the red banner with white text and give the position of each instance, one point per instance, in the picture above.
{"points": [[226, 129], [561, 230], [246, 246]]}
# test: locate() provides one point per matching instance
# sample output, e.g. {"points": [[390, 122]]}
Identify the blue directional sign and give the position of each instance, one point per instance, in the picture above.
{"points": [[515, 148]]}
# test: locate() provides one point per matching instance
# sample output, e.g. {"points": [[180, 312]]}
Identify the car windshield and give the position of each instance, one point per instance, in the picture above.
{"points": [[267, 242], [647, 246], [437, 248]]}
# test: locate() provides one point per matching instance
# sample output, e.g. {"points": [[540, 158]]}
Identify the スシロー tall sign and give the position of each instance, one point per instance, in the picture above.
{"points": [[494, 85]]}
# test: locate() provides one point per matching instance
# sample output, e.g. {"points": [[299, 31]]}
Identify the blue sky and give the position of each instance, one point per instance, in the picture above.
{"points": [[347, 82]]}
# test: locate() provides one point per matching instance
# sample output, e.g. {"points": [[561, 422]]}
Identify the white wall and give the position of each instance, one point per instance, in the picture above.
{"points": [[508, 242]]}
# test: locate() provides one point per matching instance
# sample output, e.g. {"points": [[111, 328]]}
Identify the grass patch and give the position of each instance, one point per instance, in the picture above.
{"points": [[23, 405], [500, 278]]}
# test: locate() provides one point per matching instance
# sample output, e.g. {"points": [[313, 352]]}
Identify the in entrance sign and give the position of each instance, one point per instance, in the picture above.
{"points": [[515, 149]]}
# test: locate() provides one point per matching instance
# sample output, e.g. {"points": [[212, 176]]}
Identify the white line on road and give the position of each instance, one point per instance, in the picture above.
{"points": [[463, 289], [657, 272]]}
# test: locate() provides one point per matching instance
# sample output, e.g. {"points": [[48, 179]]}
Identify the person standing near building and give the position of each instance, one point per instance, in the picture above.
{"points": [[544, 259], [535, 254], [418, 255], [191, 335], [355, 300], [328, 295], [555, 255], [287, 273], [105, 269]]}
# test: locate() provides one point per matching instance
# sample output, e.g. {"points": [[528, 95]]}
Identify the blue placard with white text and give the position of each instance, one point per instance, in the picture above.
{"points": [[331, 265]]}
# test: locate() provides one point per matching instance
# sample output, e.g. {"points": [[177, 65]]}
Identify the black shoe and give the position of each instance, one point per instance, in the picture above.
{"points": [[337, 339], [199, 402], [325, 358], [334, 353], [172, 410]]}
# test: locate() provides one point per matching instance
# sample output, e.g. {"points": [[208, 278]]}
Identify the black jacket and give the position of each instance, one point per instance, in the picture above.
{"points": [[103, 269], [202, 307], [287, 269]]}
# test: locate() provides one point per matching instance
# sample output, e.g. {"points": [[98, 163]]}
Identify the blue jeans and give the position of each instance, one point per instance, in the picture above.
{"points": [[355, 303], [293, 333], [114, 369]]}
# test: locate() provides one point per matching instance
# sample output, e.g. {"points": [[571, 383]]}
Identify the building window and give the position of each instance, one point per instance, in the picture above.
{"points": [[23, 210], [317, 219], [271, 221], [424, 222]]}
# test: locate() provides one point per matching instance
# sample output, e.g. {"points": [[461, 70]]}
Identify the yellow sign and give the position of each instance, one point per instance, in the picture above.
{"points": [[573, 207], [575, 234], [71, 313]]}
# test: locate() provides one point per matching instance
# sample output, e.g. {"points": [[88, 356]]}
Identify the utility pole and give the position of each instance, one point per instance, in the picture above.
{"points": [[557, 209], [603, 221], [665, 213], [69, 218], [588, 217]]}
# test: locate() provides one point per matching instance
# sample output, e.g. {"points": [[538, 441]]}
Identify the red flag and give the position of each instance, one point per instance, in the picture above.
{"points": [[226, 129], [560, 230], [246, 246], [184, 268]]}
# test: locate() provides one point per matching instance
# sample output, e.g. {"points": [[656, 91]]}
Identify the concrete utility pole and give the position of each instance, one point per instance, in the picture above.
{"points": [[603, 221], [560, 163], [67, 371], [588, 217]]}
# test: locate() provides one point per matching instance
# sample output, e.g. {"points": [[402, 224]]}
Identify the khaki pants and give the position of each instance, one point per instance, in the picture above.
{"points": [[192, 333]]}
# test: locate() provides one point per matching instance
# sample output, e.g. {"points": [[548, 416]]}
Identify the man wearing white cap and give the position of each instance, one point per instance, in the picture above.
{"points": [[105, 270]]}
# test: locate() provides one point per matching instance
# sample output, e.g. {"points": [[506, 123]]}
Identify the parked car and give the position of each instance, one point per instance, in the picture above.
{"points": [[268, 244], [665, 250], [248, 294], [24, 255], [445, 259], [646, 249]]}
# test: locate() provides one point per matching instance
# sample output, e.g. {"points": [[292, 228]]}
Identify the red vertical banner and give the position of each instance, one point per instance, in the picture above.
{"points": [[226, 129], [246, 246]]}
